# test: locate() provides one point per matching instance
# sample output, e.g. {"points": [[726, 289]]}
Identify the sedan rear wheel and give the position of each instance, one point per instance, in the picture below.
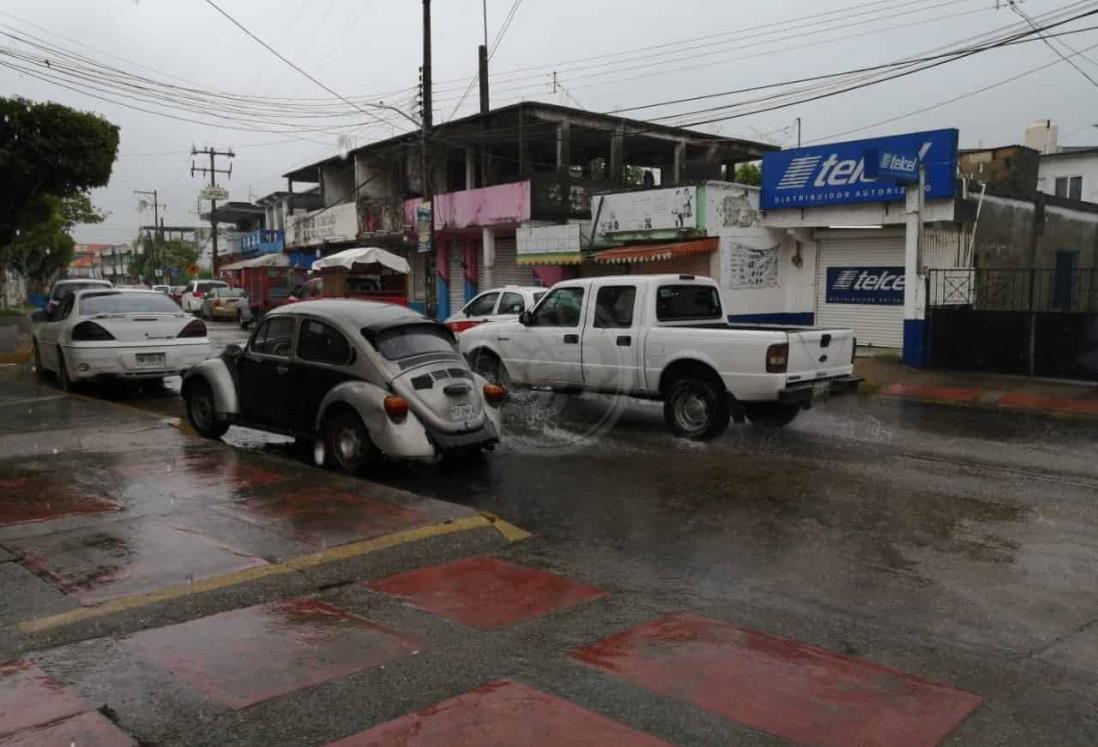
{"points": [[347, 444]]}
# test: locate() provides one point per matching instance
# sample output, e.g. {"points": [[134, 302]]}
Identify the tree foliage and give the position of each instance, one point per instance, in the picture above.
{"points": [[170, 255], [749, 173], [50, 156]]}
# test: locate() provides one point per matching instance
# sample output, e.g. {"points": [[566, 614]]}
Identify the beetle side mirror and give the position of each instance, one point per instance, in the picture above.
{"points": [[233, 351], [39, 316], [526, 318]]}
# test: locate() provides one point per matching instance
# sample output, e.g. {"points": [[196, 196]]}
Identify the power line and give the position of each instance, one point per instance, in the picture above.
{"points": [[1053, 47]]}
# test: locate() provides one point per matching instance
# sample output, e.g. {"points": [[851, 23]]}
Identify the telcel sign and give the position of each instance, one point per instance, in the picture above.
{"points": [[851, 172], [881, 286]]}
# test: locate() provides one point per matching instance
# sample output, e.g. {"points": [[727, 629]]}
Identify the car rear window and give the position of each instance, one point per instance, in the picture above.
{"points": [[397, 343], [126, 303], [678, 303], [209, 286], [64, 289]]}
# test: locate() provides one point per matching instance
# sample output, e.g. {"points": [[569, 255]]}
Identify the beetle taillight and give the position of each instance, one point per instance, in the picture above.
{"points": [[494, 394], [90, 332], [396, 408], [777, 358], [194, 329]]}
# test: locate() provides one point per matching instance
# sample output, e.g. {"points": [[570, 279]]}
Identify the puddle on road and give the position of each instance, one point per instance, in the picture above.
{"points": [[28, 496]]}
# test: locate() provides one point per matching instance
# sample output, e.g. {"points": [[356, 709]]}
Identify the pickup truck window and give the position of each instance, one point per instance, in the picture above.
{"points": [[560, 308], [614, 306], [680, 303], [482, 305]]}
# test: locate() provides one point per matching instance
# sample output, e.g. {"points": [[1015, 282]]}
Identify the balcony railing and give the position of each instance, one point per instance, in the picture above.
{"points": [[263, 241]]}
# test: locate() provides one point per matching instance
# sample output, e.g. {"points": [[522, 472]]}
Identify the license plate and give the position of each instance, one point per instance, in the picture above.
{"points": [[821, 389], [462, 412], [151, 360]]}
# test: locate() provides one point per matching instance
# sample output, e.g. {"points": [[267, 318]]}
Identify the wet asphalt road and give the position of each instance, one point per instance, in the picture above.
{"points": [[932, 518]]}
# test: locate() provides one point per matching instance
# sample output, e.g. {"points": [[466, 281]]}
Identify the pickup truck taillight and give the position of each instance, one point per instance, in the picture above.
{"points": [[463, 325], [777, 358], [90, 332]]}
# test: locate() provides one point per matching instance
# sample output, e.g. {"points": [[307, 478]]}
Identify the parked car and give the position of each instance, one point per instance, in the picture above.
{"points": [[223, 303], [665, 337], [360, 379], [62, 288], [165, 289], [176, 293], [114, 333], [497, 304], [196, 290]]}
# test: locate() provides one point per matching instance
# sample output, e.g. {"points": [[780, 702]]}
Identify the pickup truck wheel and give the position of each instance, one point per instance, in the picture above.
{"points": [[347, 445], [202, 411], [772, 414], [696, 409], [487, 364]]}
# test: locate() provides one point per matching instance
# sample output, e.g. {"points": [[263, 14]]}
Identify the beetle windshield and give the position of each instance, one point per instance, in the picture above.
{"points": [[397, 343]]}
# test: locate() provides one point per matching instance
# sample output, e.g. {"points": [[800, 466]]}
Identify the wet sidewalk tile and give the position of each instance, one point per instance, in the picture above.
{"points": [[246, 656], [324, 517], [486, 592], [502, 714], [792, 690], [86, 730], [34, 497], [127, 557], [29, 697]]}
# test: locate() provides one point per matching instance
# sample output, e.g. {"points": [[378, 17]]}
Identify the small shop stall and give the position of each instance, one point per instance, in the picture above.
{"points": [[369, 273], [269, 281]]}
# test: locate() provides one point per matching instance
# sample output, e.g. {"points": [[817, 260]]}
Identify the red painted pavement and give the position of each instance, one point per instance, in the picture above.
{"points": [[789, 689], [325, 517], [1050, 404], [936, 393], [31, 498], [246, 656], [486, 592], [502, 714], [127, 557], [29, 697], [86, 730]]}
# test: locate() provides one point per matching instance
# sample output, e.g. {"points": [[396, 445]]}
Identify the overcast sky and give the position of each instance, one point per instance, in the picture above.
{"points": [[367, 47]]}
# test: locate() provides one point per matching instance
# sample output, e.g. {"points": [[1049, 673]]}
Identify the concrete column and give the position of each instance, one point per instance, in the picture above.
{"points": [[470, 168], [564, 141], [488, 254], [679, 167], [914, 281], [469, 260], [442, 279], [617, 157]]}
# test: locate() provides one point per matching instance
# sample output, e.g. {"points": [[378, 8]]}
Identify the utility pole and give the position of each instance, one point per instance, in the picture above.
{"points": [[426, 120], [213, 171], [158, 235]]}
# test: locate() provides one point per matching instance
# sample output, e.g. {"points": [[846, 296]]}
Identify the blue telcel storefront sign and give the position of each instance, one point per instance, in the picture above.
{"points": [[835, 173], [881, 286]]}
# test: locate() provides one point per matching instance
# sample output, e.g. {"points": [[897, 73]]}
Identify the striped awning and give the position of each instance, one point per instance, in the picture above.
{"points": [[655, 252], [558, 258]]}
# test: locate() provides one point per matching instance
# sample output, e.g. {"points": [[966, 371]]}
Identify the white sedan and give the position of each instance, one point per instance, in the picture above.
{"points": [[496, 305], [114, 333]]}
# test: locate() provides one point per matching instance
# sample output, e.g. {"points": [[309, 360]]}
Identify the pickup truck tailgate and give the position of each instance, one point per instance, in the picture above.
{"points": [[819, 354]]}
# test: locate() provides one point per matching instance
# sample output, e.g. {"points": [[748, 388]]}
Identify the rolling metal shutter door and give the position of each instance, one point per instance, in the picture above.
{"points": [[882, 326], [457, 277], [507, 271]]}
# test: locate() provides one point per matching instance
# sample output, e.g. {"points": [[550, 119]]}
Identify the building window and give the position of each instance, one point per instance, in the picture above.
{"points": [[1070, 187]]}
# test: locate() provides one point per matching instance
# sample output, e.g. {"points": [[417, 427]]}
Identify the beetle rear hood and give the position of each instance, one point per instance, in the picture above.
{"points": [[434, 392]]}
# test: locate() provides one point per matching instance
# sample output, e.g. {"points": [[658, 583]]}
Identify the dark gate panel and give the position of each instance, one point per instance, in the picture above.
{"points": [[969, 340], [1067, 346]]}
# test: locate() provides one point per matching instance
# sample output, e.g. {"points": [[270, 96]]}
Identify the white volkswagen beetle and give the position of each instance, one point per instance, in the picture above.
{"points": [[360, 379]]}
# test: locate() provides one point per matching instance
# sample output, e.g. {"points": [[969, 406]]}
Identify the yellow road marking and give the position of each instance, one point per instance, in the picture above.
{"points": [[344, 552]]}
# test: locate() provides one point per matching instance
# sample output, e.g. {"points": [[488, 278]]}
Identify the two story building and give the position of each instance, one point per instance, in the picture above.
{"points": [[494, 176]]}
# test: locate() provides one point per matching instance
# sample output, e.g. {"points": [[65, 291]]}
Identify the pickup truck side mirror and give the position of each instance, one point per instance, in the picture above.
{"points": [[526, 318], [233, 351]]}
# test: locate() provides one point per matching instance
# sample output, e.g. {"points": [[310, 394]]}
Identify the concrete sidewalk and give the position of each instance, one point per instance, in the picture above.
{"points": [[887, 376]]}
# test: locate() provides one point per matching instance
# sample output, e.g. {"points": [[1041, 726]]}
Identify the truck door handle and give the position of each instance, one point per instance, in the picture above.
{"points": [[624, 341], [282, 369], [571, 339]]}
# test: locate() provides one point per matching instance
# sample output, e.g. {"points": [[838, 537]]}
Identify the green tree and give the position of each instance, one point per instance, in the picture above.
{"points": [[50, 156], [749, 173], [172, 256]]}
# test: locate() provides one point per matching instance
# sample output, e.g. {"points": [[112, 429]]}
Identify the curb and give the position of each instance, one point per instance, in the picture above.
{"points": [[1086, 409]]}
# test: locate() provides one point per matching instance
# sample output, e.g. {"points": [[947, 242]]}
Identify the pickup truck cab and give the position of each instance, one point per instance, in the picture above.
{"points": [[665, 337]]}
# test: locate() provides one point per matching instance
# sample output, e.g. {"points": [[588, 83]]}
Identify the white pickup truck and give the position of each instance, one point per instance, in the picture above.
{"points": [[665, 337]]}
